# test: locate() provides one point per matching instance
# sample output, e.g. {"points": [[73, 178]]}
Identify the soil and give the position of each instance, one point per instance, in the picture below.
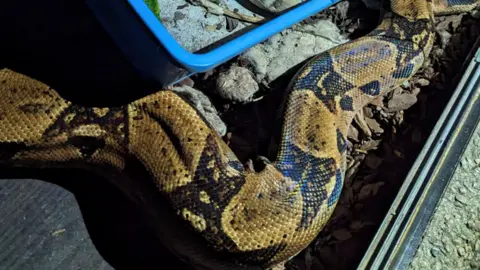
{"points": [[383, 142]]}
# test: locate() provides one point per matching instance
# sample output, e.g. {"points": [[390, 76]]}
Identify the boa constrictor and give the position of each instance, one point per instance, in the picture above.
{"points": [[212, 211]]}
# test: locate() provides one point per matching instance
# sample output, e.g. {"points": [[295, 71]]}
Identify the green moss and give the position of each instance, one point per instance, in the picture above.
{"points": [[153, 6]]}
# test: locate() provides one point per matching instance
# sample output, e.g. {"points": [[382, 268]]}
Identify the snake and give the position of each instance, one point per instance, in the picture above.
{"points": [[209, 209]]}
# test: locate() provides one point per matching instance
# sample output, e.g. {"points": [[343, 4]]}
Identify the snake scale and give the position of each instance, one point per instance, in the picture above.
{"points": [[224, 216]]}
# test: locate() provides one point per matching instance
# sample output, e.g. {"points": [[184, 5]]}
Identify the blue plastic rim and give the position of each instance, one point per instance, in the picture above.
{"points": [[196, 63]]}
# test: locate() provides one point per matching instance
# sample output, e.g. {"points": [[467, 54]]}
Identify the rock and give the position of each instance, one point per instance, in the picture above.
{"points": [[282, 51], [231, 24], [236, 84], [204, 106], [322, 28], [401, 102]]}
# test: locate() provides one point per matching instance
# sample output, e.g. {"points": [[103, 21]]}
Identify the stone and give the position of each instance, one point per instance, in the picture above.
{"points": [[236, 84]]}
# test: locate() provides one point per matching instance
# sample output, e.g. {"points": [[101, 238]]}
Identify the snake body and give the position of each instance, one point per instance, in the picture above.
{"points": [[246, 219]]}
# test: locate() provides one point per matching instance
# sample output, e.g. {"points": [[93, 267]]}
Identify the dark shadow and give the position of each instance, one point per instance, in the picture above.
{"points": [[63, 45]]}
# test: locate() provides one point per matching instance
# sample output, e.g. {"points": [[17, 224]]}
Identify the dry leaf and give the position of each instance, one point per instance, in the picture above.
{"points": [[373, 125], [348, 197], [370, 145], [352, 133], [342, 234], [308, 259], [360, 120], [373, 161], [341, 211], [356, 225], [369, 190]]}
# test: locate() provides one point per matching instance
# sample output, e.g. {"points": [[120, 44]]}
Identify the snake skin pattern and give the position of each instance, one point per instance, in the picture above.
{"points": [[246, 219]]}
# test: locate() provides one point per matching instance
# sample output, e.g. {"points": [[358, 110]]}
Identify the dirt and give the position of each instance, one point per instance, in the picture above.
{"points": [[383, 142]]}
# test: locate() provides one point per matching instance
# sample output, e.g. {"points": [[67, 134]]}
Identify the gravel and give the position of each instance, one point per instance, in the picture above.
{"points": [[452, 239]]}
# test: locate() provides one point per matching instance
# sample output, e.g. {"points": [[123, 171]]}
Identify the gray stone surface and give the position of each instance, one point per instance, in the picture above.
{"points": [[192, 26], [452, 239], [236, 84], [292, 46]]}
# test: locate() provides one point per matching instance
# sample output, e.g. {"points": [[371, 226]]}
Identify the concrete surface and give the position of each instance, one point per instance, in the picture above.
{"points": [[452, 239]]}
